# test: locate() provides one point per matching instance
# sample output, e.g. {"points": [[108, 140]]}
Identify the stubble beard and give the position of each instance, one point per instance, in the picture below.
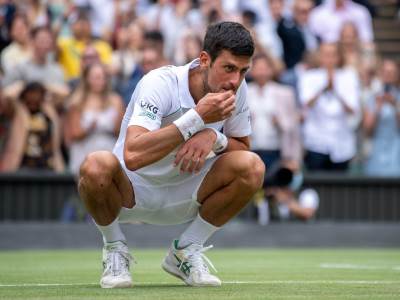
{"points": [[206, 87]]}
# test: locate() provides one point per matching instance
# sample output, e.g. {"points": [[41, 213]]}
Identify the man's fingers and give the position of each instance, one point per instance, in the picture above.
{"points": [[227, 112], [185, 163], [194, 161], [179, 155], [200, 164]]}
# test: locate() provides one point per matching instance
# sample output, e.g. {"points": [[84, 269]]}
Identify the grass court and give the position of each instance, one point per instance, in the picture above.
{"points": [[246, 274]]}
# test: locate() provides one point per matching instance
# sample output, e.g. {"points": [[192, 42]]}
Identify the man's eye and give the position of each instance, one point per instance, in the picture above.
{"points": [[229, 69]]}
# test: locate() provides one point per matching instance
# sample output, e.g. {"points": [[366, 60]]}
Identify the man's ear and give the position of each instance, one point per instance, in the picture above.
{"points": [[205, 59]]}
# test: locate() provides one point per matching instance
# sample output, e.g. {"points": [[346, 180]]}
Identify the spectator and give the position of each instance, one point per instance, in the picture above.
{"points": [[37, 12], [7, 11], [327, 20], [170, 20], [151, 59], [266, 31], [39, 68], [285, 196], [125, 66], [275, 120], [297, 39], [41, 149], [155, 40], [20, 50], [330, 98], [11, 134], [382, 124], [101, 15], [71, 48], [355, 53], [93, 117], [189, 48]]}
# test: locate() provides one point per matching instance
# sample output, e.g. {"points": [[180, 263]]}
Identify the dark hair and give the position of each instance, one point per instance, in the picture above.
{"points": [[36, 30], [154, 36], [229, 36], [278, 176], [33, 86]]}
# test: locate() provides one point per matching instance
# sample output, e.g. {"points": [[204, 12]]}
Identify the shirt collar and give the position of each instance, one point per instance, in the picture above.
{"points": [[185, 97]]}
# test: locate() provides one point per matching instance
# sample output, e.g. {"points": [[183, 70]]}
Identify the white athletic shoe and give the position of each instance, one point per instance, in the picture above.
{"points": [[116, 261], [190, 265]]}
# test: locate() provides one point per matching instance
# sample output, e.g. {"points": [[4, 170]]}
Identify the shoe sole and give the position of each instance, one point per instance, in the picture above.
{"points": [[167, 269], [119, 285]]}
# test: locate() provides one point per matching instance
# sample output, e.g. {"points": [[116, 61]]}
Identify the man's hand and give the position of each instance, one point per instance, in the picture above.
{"points": [[215, 107], [192, 155]]}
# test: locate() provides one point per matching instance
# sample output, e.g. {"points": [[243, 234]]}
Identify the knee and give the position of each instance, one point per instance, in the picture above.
{"points": [[97, 170], [252, 170]]}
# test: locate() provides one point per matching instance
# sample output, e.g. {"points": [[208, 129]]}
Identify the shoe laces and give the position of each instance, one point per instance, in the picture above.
{"points": [[118, 261], [199, 260]]}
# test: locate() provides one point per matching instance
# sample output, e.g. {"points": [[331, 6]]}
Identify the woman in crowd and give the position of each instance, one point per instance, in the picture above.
{"points": [[382, 124], [94, 116], [34, 143], [275, 119], [355, 53], [330, 99]]}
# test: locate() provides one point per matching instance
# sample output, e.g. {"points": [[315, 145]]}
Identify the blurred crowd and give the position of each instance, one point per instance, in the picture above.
{"points": [[321, 98]]}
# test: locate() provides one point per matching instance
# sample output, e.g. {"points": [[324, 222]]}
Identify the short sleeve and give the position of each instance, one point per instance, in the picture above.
{"points": [[151, 100], [238, 125]]}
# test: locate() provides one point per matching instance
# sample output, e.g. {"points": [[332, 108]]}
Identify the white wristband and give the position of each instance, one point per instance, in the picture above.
{"points": [[220, 143], [189, 124]]}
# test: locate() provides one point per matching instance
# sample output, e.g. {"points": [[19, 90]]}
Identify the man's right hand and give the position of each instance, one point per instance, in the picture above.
{"points": [[215, 107]]}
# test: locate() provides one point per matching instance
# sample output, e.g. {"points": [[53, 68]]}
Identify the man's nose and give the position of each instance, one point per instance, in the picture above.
{"points": [[235, 80]]}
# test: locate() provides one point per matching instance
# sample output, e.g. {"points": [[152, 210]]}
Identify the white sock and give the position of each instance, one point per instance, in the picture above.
{"points": [[111, 232], [197, 233]]}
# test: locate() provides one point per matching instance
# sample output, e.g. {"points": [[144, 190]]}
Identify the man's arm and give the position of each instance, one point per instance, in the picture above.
{"points": [[144, 147], [238, 143]]}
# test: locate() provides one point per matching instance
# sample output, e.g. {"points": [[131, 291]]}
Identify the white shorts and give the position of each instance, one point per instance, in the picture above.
{"points": [[167, 204]]}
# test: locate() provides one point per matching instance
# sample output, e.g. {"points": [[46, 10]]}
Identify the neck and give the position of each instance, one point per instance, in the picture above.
{"points": [[95, 94], [40, 59], [196, 84]]}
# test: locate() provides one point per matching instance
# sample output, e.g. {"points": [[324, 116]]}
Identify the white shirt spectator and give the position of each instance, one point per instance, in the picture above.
{"points": [[265, 135], [101, 13], [326, 20], [328, 129]]}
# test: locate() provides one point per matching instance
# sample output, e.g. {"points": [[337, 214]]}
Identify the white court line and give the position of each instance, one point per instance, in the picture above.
{"points": [[366, 282], [357, 267]]}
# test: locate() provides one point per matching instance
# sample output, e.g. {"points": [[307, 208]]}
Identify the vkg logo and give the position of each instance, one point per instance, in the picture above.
{"points": [[149, 107]]}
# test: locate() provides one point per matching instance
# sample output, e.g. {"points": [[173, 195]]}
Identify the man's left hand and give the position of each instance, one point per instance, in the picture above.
{"points": [[192, 154]]}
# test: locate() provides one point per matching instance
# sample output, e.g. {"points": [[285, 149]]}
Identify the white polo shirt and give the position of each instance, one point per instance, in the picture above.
{"points": [[161, 97]]}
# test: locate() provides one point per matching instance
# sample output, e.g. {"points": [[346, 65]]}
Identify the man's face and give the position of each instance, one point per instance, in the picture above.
{"points": [[301, 10], [225, 73], [33, 100], [262, 71], [389, 72], [43, 43]]}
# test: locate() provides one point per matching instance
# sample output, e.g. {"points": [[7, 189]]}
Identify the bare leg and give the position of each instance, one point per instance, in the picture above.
{"points": [[229, 186], [104, 187]]}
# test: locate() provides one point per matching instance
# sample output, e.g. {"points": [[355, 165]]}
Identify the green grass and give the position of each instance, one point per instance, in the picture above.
{"points": [[259, 274]]}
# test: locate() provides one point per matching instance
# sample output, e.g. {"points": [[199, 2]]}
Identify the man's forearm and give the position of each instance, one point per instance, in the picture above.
{"points": [[143, 147]]}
